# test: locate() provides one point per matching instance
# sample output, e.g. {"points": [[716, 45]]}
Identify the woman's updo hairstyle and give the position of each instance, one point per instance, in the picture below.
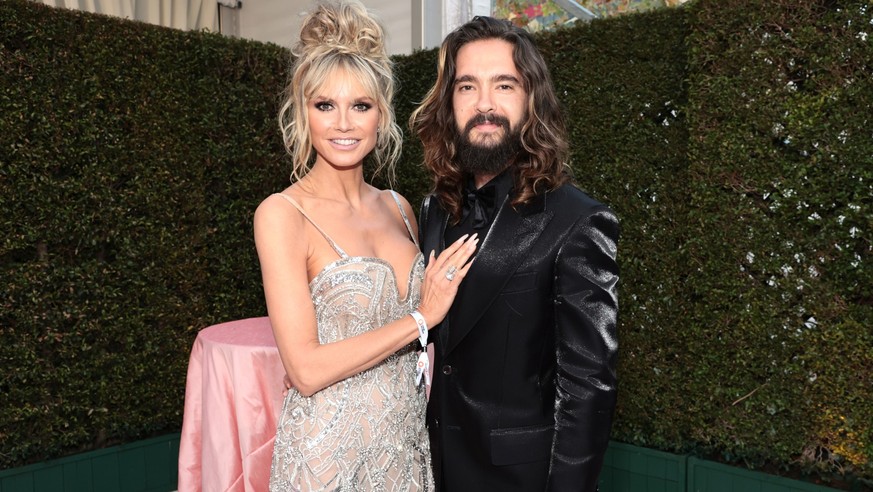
{"points": [[341, 36]]}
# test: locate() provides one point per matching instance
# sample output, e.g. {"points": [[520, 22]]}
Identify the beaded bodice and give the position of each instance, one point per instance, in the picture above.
{"points": [[364, 433]]}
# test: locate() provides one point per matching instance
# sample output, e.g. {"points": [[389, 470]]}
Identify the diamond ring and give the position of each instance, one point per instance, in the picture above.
{"points": [[450, 273]]}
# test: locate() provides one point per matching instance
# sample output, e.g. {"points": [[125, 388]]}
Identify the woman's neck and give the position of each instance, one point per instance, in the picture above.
{"points": [[345, 185]]}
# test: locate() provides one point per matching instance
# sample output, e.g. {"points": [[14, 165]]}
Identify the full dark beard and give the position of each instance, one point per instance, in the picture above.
{"points": [[486, 159]]}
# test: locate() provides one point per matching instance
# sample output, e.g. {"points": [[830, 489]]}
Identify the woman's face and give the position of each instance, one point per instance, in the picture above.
{"points": [[343, 120]]}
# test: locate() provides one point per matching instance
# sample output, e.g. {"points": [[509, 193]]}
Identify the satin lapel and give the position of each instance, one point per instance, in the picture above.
{"points": [[433, 233], [511, 237]]}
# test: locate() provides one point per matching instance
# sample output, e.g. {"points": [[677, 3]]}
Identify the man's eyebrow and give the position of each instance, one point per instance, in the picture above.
{"points": [[504, 77]]}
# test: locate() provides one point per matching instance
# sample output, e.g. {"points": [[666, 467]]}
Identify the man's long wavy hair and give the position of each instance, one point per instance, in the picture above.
{"points": [[540, 165]]}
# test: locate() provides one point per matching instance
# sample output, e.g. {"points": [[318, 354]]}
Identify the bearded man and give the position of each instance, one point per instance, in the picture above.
{"points": [[524, 382]]}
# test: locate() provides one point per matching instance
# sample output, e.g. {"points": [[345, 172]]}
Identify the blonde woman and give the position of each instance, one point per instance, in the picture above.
{"points": [[347, 292]]}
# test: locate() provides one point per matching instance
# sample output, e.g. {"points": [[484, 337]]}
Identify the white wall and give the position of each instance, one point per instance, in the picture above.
{"points": [[278, 21], [409, 24]]}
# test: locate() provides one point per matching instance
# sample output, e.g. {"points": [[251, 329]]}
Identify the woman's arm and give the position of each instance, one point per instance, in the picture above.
{"points": [[283, 251]]}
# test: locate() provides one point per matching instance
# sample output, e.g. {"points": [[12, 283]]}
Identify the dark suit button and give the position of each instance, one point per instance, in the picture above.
{"points": [[447, 369]]}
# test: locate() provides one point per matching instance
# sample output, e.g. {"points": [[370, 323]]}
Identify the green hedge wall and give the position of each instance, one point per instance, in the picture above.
{"points": [[731, 136], [132, 159], [778, 336]]}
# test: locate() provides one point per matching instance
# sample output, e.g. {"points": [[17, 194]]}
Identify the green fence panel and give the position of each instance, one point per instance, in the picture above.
{"points": [[629, 468], [152, 466], [144, 466], [707, 476]]}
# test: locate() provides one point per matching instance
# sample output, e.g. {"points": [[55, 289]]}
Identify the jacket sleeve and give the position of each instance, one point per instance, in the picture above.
{"points": [[586, 344]]}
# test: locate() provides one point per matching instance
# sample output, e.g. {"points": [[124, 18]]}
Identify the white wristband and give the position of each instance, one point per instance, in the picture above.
{"points": [[422, 368], [422, 327]]}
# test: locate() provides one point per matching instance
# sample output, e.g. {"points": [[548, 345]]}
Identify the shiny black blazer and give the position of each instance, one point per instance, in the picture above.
{"points": [[524, 382]]}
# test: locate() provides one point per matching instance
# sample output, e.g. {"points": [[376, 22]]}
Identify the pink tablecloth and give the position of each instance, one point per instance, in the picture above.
{"points": [[232, 401]]}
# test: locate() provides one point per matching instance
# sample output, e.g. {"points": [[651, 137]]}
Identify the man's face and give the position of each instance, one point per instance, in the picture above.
{"points": [[488, 98]]}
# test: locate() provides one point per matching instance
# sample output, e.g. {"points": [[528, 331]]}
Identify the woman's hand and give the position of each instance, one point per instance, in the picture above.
{"points": [[442, 277], [288, 385]]}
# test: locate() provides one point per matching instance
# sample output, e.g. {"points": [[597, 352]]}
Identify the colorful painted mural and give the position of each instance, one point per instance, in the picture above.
{"points": [[536, 15]]}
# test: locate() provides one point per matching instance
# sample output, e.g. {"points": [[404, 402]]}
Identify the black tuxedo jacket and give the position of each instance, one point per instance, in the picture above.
{"points": [[524, 380]]}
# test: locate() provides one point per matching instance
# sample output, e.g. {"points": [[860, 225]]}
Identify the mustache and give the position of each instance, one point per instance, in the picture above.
{"points": [[482, 118]]}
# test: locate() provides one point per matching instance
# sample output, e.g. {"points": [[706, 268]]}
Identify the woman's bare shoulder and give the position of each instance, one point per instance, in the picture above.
{"points": [[278, 215], [387, 196], [388, 199]]}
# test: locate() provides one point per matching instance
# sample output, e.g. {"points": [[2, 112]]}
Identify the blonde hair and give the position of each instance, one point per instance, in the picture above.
{"points": [[335, 36]]}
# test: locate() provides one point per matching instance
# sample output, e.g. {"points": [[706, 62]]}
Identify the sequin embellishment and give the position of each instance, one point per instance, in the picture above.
{"points": [[365, 433]]}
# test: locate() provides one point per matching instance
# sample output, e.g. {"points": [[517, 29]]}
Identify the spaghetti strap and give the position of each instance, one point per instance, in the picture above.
{"points": [[330, 241], [405, 218]]}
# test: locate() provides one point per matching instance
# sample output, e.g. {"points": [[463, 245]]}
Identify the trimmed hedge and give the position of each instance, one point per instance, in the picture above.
{"points": [[778, 337], [132, 159], [731, 136]]}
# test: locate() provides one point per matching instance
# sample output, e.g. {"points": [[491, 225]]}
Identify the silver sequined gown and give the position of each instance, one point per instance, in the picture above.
{"points": [[367, 432]]}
